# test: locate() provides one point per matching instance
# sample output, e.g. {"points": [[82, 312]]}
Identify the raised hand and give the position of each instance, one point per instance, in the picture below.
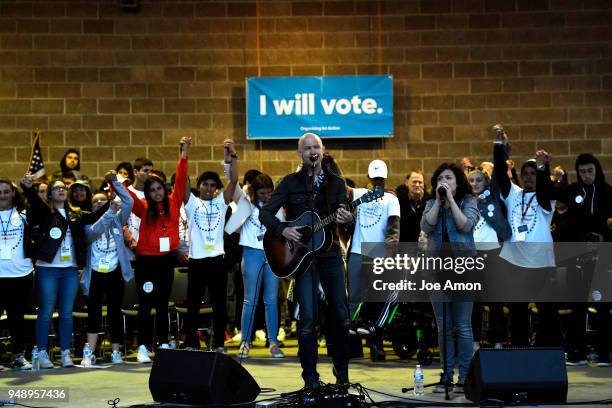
{"points": [[27, 180], [110, 176], [500, 134]]}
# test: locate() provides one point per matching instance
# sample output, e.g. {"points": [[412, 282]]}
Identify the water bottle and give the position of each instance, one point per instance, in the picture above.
{"points": [[35, 360], [419, 381], [86, 356]]}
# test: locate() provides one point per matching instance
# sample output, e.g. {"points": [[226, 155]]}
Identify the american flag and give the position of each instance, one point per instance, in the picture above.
{"points": [[37, 166]]}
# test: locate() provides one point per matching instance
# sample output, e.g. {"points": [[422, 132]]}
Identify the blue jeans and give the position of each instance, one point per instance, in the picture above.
{"points": [[255, 271], [458, 324], [330, 272], [50, 282]]}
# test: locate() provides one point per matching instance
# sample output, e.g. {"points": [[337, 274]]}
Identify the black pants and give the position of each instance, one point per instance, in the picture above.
{"points": [[205, 272], [548, 329], [498, 328], [14, 295], [111, 286], [154, 277], [602, 323]]}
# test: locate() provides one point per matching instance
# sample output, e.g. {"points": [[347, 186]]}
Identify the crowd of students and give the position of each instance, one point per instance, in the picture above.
{"points": [[59, 234]]}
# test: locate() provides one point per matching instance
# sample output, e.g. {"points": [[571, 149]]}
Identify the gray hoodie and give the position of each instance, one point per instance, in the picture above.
{"points": [[112, 222]]}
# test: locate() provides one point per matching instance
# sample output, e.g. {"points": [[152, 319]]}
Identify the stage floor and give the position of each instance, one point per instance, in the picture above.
{"points": [[129, 382]]}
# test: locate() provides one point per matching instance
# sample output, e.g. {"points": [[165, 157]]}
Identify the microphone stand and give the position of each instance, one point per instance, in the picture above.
{"points": [[313, 264]]}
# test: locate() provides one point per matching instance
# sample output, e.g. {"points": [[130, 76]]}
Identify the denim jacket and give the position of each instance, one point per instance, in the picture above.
{"points": [[463, 236]]}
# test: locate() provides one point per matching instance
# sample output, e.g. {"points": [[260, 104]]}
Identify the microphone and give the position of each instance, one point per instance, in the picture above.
{"points": [[313, 159], [442, 192]]}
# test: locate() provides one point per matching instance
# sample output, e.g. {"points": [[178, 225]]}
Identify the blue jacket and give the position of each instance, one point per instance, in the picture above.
{"points": [[113, 222]]}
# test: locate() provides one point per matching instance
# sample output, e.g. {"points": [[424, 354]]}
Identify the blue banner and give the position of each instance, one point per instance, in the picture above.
{"points": [[332, 107]]}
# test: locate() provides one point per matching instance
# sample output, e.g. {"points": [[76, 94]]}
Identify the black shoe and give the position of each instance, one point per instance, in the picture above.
{"points": [[341, 378], [312, 383]]}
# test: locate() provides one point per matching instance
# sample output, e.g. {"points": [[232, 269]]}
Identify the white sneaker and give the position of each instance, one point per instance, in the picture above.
{"points": [[243, 351], [66, 359], [143, 355], [281, 334], [44, 360], [116, 357], [260, 335], [20, 363], [165, 346]]}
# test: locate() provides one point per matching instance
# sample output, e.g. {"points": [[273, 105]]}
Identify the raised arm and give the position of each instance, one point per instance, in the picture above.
{"points": [[501, 152], [38, 208], [127, 202], [545, 188], [230, 158], [180, 181]]}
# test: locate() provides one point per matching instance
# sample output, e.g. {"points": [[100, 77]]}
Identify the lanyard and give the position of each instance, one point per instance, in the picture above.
{"points": [[5, 230], [523, 208], [592, 197]]}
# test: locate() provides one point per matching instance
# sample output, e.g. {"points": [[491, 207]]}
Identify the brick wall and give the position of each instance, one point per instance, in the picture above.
{"points": [[119, 85]]}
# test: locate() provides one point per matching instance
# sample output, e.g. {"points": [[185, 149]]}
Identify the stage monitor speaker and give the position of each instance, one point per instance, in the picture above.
{"points": [[534, 375], [199, 378]]}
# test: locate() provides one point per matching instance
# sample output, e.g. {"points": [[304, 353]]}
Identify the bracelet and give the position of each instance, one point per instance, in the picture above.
{"points": [[234, 156]]}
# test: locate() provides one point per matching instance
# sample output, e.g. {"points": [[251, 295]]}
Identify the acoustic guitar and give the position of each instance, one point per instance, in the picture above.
{"points": [[291, 259]]}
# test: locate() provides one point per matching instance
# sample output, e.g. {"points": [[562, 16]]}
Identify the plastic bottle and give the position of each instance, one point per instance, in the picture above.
{"points": [[35, 360], [419, 381], [86, 356]]}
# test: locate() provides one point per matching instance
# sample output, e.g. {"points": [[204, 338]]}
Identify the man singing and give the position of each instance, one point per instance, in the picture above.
{"points": [[328, 194]]}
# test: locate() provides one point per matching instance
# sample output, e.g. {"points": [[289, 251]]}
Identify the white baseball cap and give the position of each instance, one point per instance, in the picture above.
{"points": [[377, 168]]}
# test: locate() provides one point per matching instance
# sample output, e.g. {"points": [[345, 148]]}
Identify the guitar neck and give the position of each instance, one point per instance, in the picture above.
{"points": [[331, 217]]}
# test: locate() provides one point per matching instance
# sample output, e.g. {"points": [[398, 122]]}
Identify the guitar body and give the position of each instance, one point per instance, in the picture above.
{"points": [[289, 259]]}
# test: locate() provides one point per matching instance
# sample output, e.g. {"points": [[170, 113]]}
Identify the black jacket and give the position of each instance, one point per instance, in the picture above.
{"points": [[411, 213], [293, 192], [42, 219]]}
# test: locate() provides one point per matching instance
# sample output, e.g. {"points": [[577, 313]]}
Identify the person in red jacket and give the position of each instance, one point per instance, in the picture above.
{"points": [[159, 238]]}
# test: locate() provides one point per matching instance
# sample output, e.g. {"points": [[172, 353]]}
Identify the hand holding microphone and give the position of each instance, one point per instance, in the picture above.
{"points": [[313, 159]]}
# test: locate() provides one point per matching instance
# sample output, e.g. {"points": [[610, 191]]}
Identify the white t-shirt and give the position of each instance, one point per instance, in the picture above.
{"points": [[206, 223], [485, 237], [536, 249], [13, 263], [371, 222], [104, 256], [252, 232], [65, 255]]}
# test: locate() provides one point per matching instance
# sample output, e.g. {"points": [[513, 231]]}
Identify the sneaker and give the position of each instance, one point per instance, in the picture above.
{"points": [[20, 363], [44, 360], [260, 335], [116, 357], [143, 355], [459, 388], [165, 346], [275, 351], [243, 351], [312, 383], [281, 334], [576, 363], [66, 359], [221, 349]]}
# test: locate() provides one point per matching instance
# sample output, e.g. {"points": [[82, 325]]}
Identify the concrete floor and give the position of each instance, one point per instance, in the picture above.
{"points": [[129, 382]]}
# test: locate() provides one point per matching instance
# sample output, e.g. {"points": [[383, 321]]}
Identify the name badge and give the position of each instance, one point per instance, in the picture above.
{"points": [[5, 252], [521, 233], [164, 244], [209, 246], [65, 254], [104, 265]]}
